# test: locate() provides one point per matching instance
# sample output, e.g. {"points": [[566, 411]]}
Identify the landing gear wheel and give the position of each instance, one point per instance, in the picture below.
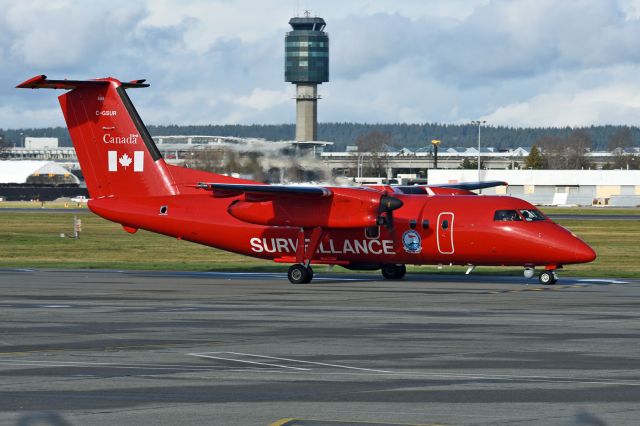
{"points": [[547, 277], [310, 271], [300, 274], [391, 271]]}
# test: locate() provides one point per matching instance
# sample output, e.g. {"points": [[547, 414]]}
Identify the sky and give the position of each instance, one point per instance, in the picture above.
{"points": [[519, 63]]}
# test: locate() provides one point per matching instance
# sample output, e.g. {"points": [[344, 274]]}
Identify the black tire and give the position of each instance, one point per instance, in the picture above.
{"points": [[547, 278], [391, 271], [299, 274]]}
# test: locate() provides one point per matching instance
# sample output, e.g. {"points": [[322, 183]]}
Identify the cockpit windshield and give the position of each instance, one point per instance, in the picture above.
{"points": [[506, 216], [532, 215]]}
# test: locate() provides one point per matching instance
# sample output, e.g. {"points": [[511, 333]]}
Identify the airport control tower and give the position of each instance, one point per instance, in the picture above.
{"points": [[306, 65]]}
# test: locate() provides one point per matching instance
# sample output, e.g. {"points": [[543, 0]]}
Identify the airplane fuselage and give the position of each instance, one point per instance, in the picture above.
{"points": [[450, 229]]}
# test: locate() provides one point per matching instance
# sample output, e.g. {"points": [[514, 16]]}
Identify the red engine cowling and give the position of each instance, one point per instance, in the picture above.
{"points": [[345, 208]]}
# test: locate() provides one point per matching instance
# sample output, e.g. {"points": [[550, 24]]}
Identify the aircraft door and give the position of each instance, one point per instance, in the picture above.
{"points": [[444, 235]]}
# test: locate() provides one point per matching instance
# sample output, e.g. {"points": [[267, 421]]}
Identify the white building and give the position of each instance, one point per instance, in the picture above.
{"points": [[40, 143], [555, 187]]}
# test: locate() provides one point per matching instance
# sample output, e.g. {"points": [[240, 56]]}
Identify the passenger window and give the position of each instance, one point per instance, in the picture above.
{"points": [[506, 216], [532, 215], [445, 224]]}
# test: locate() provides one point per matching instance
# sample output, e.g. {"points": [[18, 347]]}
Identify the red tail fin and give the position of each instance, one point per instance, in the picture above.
{"points": [[117, 155]]}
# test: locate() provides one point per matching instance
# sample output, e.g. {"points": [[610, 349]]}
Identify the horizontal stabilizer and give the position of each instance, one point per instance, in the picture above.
{"points": [[41, 82], [470, 186], [224, 190]]}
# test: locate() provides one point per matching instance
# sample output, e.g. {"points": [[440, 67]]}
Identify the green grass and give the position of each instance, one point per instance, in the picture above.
{"points": [[39, 204], [623, 211], [32, 240]]}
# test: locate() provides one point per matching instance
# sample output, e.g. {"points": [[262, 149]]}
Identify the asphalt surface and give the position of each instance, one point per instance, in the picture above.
{"points": [[112, 347]]}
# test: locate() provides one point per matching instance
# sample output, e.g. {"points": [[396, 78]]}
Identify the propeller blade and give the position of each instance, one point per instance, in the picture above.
{"points": [[387, 205]]}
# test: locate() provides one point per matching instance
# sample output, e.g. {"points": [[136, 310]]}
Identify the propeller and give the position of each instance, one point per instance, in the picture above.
{"points": [[385, 211]]}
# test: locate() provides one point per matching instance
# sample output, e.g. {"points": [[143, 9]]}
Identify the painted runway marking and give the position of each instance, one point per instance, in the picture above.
{"points": [[245, 361], [414, 374], [288, 369], [87, 364], [600, 280], [324, 364]]}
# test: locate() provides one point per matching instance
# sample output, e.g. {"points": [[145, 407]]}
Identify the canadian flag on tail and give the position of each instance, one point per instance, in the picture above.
{"points": [[125, 161]]}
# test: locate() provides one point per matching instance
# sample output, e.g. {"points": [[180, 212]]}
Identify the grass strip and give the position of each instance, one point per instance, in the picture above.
{"points": [[32, 240]]}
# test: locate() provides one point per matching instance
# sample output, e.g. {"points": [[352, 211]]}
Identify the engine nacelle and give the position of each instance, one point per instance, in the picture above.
{"points": [[345, 208]]}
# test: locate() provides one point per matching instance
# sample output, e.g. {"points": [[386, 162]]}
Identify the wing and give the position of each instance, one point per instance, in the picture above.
{"points": [[462, 188], [469, 186], [264, 192]]}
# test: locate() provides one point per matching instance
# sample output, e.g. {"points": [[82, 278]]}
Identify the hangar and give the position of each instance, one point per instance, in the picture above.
{"points": [[555, 187], [42, 180]]}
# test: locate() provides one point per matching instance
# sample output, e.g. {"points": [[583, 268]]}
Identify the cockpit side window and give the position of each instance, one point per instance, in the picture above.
{"points": [[506, 216], [532, 215]]}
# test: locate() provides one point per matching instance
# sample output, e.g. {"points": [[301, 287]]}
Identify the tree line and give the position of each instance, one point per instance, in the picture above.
{"points": [[548, 152], [552, 152], [412, 136]]}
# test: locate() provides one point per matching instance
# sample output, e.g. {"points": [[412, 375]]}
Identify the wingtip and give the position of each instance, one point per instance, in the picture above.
{"points": [[32, 83]]}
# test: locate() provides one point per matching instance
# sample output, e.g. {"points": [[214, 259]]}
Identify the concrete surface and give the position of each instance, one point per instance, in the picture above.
{"points": [[113, 347]]}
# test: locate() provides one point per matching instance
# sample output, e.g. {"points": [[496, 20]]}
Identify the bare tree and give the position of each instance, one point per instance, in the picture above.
{"points": [[566, 153], [3, 144], [551, 147], [577, 145], [623, 161], [374, 147]]}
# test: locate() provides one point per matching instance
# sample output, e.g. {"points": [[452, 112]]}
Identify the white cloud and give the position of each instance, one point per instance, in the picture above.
{"points": [[65, 33], [262, 99], [527, 62], [614, 104]]}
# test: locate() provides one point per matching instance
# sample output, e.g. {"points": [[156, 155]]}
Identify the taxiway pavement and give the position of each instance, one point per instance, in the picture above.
{"points": [[115, 347]]}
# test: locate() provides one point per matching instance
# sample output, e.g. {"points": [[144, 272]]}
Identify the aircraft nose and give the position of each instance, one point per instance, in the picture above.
{"points": [[583, 252]]}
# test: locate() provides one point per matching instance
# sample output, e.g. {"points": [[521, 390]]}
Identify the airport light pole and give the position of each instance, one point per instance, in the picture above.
{"points": [[479, 123], [435, 143], [360, 165]]}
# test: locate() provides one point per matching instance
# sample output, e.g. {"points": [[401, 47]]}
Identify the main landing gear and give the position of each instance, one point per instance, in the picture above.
{"points": [[392, 271], [300, 274]]}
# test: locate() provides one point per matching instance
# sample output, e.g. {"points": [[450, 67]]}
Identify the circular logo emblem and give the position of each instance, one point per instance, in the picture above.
{"points": [[411, 241]]}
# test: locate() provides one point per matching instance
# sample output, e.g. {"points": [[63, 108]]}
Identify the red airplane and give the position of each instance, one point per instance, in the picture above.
{"points": [[361, 228]]}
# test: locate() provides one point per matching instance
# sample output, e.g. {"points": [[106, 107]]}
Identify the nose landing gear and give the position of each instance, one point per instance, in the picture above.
{"points": [[546, 277]]}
